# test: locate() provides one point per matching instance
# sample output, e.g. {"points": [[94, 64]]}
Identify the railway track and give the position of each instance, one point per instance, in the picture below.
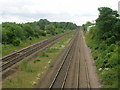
{"points": [[62, 78], [15, 57], [61, 75]]}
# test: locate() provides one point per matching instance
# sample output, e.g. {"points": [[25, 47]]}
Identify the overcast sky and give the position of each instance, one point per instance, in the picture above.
{"points": [[76, 11]]}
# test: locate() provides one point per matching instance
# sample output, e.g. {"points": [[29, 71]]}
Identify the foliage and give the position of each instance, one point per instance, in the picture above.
{"points": [[13, 33], [104, 40], [86, 25], [21, 78], [25, 67], [43, 54], [36, 60], [50, 29], [16, 42]]}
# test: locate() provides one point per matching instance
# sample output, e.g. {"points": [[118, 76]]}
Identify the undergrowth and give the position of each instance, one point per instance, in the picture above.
{"points": [[106, 59]]}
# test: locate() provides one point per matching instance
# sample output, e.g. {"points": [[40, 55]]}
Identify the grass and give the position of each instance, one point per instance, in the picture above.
{"points": [[7, 49], [30, 72], [43, 54], [24, 66], [36, 60]]}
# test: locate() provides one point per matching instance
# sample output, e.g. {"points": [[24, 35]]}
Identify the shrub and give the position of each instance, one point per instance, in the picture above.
{"points": [[30, 38], [110, 77], [103, 46], [114, 59], [112, 47], [36, 60], [16, 42], [43, 54], [111, 40]]}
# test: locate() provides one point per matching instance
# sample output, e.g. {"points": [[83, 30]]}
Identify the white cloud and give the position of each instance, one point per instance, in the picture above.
{"points": [[77, 11]]}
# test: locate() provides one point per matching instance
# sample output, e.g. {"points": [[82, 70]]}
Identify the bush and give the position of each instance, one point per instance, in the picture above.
{"points": [[30, 38], [42, 33], [103, 46], [104, 41], [110, 78], [43, 54], [114, 59], [36, 60], [111, 40], [16, 42]]}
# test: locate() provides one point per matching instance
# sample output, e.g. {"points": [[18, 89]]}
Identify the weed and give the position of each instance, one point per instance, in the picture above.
{"points": [[9, 80], [43, 54], [51, 50], [25, 67], [36, 60]]}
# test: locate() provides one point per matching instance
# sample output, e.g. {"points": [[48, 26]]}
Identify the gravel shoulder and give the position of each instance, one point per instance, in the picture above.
{"points": [[94, 79]]}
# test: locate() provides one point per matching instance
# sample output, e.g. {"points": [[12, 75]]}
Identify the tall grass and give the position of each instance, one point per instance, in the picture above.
{"points": [[24, 66], [43, 54]]}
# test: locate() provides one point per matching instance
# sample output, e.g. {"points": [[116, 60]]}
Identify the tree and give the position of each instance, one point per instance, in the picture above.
{"points": [[42, 23], [28, 29], [86, 25], [50, 29], [4, 36], [14, 33], [105, 23]]}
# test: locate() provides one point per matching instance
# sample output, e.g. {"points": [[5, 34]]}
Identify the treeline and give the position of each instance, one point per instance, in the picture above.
{"points": [[13, 33], [104, 40]]}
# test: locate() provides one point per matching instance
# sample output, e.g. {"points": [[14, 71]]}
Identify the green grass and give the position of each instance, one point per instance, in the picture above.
{"points": [[24, 66], [7, 49], [36, 60], [43, 54], [29, 73]]}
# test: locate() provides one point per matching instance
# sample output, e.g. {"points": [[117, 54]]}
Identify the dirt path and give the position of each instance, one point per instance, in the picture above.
{"points": [[82, 72], [88, 61], [94, 79]]}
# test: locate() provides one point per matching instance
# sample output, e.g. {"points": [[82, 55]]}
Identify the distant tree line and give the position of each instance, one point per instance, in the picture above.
{"points": [[13, 33]]}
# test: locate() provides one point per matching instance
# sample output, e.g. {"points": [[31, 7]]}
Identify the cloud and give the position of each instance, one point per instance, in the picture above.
{"points": [[77, 11]]}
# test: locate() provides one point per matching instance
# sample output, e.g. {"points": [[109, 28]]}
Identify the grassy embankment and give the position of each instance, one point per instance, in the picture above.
{"points": [[106, 60], [30, 72], [9, 48]]}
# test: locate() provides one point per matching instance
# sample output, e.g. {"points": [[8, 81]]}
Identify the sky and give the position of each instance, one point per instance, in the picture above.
{"points": [[76, 11]]}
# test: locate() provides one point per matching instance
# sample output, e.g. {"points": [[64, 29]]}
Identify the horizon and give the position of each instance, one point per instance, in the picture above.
{"points": [[37, 21], [74, 11]]}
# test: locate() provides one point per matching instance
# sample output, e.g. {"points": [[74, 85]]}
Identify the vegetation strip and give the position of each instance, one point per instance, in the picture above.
{"points": [[29, 50], [16, 36], [104, 40], [30, 72]]}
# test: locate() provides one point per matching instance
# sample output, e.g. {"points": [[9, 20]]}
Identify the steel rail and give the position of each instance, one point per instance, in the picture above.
{"points": [[60, 68], [28, 51]]}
